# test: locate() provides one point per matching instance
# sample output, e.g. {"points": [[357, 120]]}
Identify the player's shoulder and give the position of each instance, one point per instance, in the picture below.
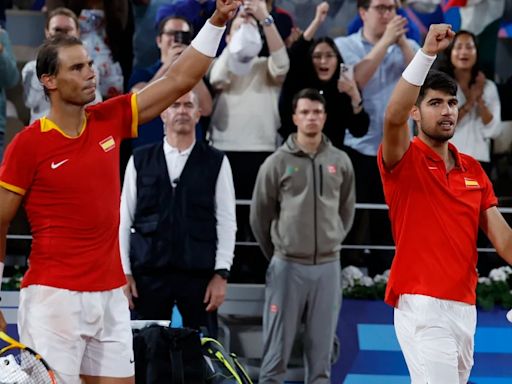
{"points": [[109, 108], [30, 132], [469, 162]]}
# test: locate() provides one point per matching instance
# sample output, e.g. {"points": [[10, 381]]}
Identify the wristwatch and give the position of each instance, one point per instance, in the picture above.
{"points": [[224, 273], [269, 20]]}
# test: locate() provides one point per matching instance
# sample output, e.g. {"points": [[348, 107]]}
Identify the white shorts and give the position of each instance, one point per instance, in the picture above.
{"points": [[436, 337], [78, 333]]}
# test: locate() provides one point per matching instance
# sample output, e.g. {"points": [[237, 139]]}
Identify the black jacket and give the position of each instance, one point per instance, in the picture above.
{"points": [[302, 75]]}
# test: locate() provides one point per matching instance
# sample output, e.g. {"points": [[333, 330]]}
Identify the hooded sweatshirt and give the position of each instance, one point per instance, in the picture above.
{"points": [[303, 205]]}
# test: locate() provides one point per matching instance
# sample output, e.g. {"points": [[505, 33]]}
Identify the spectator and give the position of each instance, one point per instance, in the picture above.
{"points": [[322, 72], [195, 11], [177, 231], [412, 31], [379, 52], [60, 20], [118, 26], [246, 118], [174, 34], [479, 102], [9, 77], [302, 207], [284, 24], [146, 29]]}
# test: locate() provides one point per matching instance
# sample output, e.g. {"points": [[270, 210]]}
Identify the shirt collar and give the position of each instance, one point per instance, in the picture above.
{"points": [[47, 125], [168, 149], [430, 153]]}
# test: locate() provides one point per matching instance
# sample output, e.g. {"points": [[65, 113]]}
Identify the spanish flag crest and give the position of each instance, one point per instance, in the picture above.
{"points": [[108, 144], [471, 183]]}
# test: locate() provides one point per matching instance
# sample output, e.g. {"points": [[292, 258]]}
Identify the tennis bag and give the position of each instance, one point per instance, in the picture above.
{"points": [[166, 355], [221, 367]]}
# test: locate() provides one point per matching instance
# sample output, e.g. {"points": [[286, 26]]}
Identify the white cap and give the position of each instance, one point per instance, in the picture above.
{"points": [[243, 48]]}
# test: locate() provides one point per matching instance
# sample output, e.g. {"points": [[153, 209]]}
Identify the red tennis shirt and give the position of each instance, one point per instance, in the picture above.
{"points": [[71, 192], [434, 218]]}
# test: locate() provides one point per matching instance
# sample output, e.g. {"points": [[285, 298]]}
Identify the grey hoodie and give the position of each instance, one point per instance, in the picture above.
{"points": [[303, 205]]}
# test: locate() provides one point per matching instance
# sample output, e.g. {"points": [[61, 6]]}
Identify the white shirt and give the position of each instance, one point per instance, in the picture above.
{"points": [[472, 136], [224, 206]]}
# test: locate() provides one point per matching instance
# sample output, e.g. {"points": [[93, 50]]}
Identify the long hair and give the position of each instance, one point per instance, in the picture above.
{"points": [[447, 65], [330, 42]]}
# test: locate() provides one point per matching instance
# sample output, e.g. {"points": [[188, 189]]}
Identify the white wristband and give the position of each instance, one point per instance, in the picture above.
{"points": [[208, 39], [418, 68]]}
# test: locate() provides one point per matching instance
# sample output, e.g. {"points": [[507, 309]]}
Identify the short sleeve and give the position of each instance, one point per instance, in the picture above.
{"points": [[122, 111], [489, 199], [386, 172], [19, 165]]}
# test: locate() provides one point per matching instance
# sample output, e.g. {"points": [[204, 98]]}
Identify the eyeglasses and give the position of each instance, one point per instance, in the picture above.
{"points": [[383, 9], [320, 56]]}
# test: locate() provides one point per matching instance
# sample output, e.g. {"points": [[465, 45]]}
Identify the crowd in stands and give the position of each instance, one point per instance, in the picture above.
{"points": [[245, 101]]}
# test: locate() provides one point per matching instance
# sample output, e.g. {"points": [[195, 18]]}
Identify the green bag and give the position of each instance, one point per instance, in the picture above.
{"points": [[221, 367]]}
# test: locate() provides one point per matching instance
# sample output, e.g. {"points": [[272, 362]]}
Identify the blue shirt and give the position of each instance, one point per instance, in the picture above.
{"points": [[153, 130], [378, 89], [413, 32]]}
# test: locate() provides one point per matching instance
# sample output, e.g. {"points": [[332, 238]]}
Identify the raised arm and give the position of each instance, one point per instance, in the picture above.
{"points": [[189, 68], [321, 13], [395, 139]]}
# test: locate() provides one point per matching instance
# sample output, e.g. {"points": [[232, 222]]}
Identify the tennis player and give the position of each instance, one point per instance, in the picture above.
{"points": [[64, 169], [437, 199]]}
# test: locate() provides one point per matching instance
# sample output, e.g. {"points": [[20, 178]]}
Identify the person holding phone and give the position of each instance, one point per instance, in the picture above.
{"points": [[245, 121], [325, 71], [174, 35]]}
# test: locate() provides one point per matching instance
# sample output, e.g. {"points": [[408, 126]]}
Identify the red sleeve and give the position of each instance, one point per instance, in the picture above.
{"points": [[385, 172], [122, 111], [19, 164], [489, 199]]}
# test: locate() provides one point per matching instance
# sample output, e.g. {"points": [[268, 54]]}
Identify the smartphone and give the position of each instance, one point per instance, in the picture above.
{"points": [[183, 37], [347, 70]]}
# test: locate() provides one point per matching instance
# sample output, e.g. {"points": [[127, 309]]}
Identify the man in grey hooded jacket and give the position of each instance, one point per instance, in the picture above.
{"points": [[302, 208]]}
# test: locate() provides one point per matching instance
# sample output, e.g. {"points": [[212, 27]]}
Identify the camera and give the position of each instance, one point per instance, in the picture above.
{"points": [[183, 37]]}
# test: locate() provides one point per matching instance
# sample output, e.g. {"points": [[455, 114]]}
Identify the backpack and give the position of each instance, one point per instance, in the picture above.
{"points": [[221, 367], [166, 355]]}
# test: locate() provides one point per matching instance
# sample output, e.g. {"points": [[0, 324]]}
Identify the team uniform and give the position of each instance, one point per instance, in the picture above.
{"points": [[72, 288], [435, 218]]}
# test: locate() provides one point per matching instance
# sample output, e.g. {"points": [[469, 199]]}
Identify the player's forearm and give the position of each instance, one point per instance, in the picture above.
{"points": [[402, 100], [504, 247], [407, 89], [182, 76]]}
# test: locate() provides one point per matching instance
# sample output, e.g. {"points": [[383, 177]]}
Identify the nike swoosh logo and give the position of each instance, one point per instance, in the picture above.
{"points": [[57, 165]]}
